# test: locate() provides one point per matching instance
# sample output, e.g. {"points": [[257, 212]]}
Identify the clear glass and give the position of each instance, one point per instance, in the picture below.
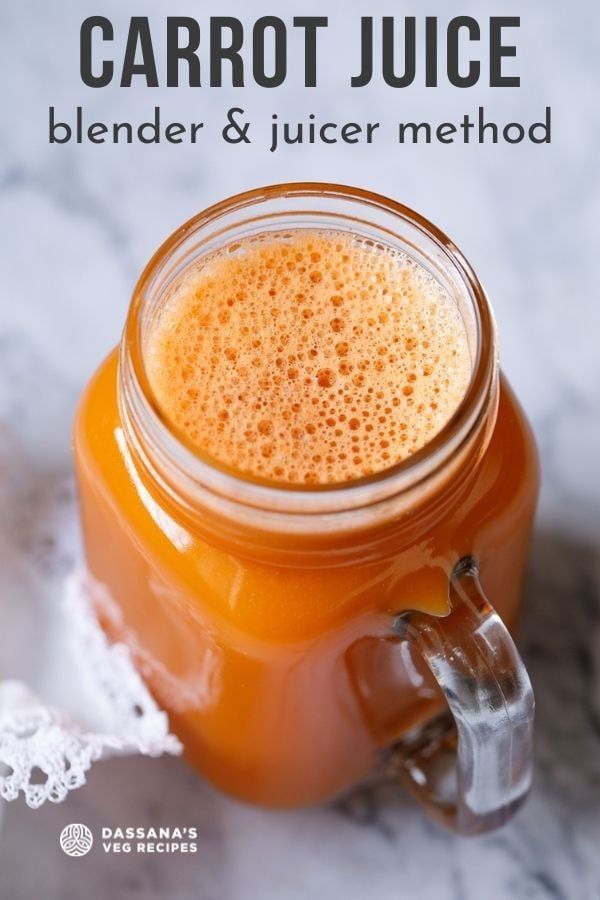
{"points": [[471, 769], [293, 632]]}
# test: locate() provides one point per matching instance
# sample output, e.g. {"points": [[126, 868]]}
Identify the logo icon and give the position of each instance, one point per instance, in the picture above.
{"points": [[76, 840]]}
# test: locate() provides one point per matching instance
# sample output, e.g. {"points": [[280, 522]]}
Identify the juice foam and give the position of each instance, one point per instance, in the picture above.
{"points": [[309, 357]]}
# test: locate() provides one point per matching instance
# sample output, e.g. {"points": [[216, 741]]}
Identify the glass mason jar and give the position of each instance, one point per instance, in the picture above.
{"points": [[300, 637]]}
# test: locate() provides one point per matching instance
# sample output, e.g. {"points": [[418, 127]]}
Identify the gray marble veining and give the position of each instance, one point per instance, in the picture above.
{"points": [[78, 223]]}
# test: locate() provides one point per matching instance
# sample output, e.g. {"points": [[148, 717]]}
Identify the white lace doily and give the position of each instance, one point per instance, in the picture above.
{"points": [[45, 753]]}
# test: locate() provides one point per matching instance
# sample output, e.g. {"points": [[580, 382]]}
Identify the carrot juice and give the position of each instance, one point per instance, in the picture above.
{"points": [[302, 433]]}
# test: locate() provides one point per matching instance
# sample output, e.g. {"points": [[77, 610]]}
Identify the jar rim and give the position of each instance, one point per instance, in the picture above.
{"points": [[160, 443]]}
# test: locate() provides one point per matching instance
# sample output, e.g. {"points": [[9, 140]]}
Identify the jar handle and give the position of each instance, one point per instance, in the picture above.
{"points": [[472, 767]]}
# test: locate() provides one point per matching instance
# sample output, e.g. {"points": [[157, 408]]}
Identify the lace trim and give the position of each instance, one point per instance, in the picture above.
{"points": [[44, 753]]}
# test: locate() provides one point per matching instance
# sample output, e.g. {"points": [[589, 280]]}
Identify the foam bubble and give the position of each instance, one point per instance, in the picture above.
{"points": [[308, 357]]}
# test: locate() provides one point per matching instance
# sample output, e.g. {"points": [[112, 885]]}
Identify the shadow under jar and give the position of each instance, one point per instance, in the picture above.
{"points": [[301, 637]]}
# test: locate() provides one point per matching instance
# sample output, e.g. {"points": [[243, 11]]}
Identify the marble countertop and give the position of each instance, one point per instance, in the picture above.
{"points": [[79, 222]]}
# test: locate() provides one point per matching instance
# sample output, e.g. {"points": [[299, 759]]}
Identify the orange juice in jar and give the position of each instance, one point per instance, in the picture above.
{"points": [[307, 495]]}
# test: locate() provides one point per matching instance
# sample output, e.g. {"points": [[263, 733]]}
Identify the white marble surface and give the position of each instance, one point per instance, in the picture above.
{"points": [[77, 225]]}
